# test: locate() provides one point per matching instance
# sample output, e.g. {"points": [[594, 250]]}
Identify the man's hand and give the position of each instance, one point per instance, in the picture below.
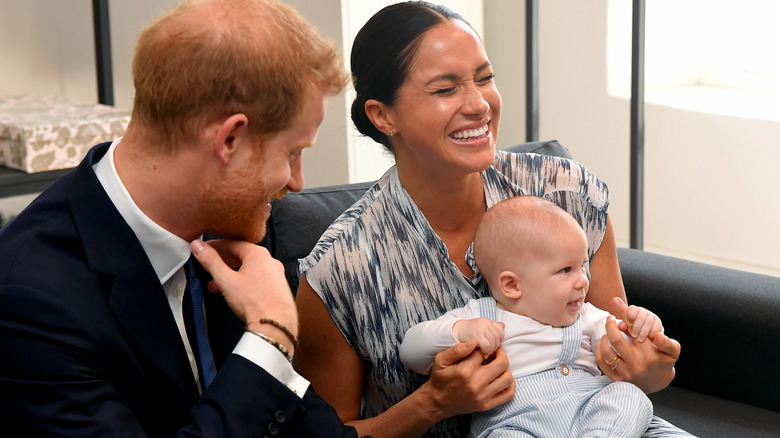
{"points": [[252, 282]]}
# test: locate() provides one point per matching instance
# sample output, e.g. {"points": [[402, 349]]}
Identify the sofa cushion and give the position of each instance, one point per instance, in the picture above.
{"points": [[299, 219], [713, 312], [708, 416]]}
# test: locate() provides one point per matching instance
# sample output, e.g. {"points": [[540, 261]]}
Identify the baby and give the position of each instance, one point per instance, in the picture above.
{"points": [[534, 257]]}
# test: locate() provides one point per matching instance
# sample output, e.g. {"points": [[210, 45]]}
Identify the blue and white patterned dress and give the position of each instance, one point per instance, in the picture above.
{"points": [[380, 268]]}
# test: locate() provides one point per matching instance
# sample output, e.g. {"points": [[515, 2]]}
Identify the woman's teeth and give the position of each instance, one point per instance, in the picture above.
{"points": [[470, 133]]}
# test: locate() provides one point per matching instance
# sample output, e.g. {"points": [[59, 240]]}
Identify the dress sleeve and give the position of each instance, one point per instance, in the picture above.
{"points": [[563, 181]]}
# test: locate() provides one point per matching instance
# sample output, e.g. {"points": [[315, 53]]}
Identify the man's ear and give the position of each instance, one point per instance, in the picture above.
{"points": [[509, 283], [231, 133], [380, 116]]}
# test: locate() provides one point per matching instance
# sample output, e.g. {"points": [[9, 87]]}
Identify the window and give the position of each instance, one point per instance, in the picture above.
{"points": [[713, 56], [740, 49]]}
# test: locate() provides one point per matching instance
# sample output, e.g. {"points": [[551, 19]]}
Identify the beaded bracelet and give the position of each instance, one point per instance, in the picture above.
{"points": [[281, 327], [282, 349]]}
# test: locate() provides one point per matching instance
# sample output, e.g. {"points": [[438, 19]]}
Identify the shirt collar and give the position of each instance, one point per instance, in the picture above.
{"points": [[166, 251]]}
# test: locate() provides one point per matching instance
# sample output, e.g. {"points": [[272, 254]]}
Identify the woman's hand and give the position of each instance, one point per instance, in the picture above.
{"points": [[649, 364], [461, 384]]}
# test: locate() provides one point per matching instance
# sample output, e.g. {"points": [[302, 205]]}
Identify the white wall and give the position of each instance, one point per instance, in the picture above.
{"points": [[46, 48], [710, 179], [505, 44], [328, 162]]}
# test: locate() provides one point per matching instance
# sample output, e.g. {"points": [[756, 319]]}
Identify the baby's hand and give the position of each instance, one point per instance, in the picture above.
{"points": [[486, 332], [641, 323]]}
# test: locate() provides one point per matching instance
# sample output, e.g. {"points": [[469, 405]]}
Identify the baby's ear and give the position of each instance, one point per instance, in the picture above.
{"points": [[509, 283]]}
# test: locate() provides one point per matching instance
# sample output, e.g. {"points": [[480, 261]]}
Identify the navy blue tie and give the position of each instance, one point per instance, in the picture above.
{"points": [[206, 359]]}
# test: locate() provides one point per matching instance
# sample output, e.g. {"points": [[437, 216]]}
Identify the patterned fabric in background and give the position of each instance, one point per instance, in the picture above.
{"points": [[39, 133]]}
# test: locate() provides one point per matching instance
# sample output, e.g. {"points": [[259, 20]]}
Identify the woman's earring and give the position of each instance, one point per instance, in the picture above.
{"points": [[391, 134]]}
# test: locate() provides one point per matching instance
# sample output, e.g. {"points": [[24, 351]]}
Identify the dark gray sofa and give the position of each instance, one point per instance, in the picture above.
{"points": [[727, 321]]}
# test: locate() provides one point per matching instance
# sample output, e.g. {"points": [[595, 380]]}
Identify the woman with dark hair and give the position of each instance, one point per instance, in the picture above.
{"points": [[403, 253]]}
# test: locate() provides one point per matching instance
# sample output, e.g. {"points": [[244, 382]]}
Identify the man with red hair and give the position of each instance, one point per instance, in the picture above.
{"points": [[103, 327]]}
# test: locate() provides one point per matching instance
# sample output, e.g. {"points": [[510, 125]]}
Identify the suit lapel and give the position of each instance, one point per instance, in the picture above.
{"points": [[134, 292]]}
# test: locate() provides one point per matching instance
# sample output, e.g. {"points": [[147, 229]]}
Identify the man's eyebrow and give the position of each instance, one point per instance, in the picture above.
{"points": [[454, 77]]}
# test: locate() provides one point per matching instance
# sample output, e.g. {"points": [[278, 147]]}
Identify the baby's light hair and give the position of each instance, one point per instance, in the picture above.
{"points": [[512, 230]]}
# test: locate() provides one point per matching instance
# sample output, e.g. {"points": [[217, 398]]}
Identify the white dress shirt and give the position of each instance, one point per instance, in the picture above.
{"points": [[168, 253]]}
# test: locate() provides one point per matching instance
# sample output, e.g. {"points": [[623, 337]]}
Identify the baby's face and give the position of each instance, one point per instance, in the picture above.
{"points": [[553, 283]]}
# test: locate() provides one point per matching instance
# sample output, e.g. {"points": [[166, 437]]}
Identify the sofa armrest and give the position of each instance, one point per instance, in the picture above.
{"points": [[728, 323]]}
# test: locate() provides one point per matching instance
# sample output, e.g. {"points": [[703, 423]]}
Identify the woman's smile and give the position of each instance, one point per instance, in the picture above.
{"points": [[469, 134]]}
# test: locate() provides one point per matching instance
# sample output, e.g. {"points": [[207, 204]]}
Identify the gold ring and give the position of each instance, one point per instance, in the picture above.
{"points": [[613, 361], [617, 361]]}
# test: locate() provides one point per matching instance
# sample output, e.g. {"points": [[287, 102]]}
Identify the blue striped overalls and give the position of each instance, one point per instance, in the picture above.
{"points": [[565, 401]]}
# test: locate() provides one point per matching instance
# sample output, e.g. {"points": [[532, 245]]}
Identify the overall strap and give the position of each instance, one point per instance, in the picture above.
{"points": [[488, 308], [572, 337]]}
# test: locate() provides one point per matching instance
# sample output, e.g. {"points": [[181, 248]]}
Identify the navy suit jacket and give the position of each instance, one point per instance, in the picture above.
{"points": [[89, 346]]}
